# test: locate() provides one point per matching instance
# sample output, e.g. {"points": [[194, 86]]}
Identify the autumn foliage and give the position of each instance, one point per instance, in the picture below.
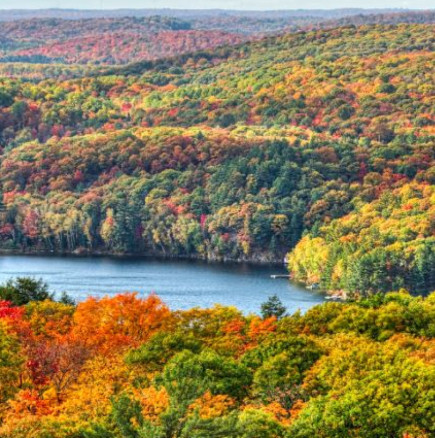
{"points": [[318, 144], [228, 154], [129, 365]]}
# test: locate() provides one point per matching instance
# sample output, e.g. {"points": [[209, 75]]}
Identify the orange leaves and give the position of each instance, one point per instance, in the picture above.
{"points": [[297, 408], [260, 328], [48, 319], [58, 346], [278, 412], [246, 334], [28, 402], [212, 406], [110, 324], [234, 327], [153, 402]]}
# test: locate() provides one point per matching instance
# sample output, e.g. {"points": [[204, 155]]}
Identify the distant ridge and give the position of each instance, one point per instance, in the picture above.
{"points": [[72, 14], [119, 40]]}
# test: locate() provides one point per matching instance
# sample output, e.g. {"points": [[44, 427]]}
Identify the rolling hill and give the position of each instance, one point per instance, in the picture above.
{"points": [[237, 153]]}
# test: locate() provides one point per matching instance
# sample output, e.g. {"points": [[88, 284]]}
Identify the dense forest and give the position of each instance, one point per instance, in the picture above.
{"points": [[104, 40], [129, 367], [217, 136], [319, 142], [121, 40]]}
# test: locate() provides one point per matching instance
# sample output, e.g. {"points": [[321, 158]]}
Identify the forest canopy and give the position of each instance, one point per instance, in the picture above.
{"points": [[221, 137], [363, 369], [319, 142]]}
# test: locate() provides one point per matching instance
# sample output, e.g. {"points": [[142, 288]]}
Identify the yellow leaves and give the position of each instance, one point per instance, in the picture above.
{"points": [[108, 226], [338, 271], [212, 406], [153, 402], [279, 223], [100, 379], [308, 259], [245, 244], [50, 394], [213, 99], [399, 221]]}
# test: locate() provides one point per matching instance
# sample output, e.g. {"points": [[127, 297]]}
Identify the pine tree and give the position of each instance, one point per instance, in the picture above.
{"points": [[273, 307]]}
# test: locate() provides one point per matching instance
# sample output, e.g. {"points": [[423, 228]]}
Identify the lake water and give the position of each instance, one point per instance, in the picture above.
{"points": [[181, 284]]}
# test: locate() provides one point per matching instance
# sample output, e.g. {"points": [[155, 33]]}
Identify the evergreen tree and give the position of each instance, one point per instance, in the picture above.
{"points": [[273, 307]]}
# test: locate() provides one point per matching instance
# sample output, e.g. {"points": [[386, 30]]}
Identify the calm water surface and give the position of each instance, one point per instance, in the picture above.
{"points": [[181, 284]]}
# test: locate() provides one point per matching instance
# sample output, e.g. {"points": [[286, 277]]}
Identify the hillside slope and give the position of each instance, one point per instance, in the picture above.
{"points": [[104, 40], [121, 39], [233, 153]]}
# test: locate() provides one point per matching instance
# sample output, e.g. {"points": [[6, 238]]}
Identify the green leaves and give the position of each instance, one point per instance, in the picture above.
{"points": [[273, 307], [386, 395], [10, 363], [23, 290], [189, 375]]}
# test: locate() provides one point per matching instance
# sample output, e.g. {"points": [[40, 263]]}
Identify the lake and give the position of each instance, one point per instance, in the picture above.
{"points": [[181, 284]]}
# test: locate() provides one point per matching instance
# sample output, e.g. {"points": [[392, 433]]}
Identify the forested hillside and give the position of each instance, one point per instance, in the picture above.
{"points": [[219, 143], [129, 367], [112, 39], [237, 153], [104, 40]]}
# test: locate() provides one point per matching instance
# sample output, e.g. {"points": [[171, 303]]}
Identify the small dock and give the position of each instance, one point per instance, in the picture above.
{"points": [[274, 276], [335, 298]]}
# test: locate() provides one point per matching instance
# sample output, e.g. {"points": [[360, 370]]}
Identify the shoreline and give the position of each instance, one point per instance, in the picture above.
{"points": [[160, 256], [253, 262]]}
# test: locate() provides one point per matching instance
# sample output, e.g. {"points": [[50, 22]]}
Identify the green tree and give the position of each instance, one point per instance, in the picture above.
{"points": [[23, 290], [273, 307]]}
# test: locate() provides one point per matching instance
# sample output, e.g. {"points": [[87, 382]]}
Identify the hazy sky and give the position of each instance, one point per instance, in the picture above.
{"points": [[224, 4]]}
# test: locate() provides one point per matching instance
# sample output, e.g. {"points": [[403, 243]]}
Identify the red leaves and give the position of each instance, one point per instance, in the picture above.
{"points": [[203, 220], [10, 313], [6, 230], [78, 176], [126, 46], [173, 112], [362, 171], [58, 362], [30, 224], [29, 401]]}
